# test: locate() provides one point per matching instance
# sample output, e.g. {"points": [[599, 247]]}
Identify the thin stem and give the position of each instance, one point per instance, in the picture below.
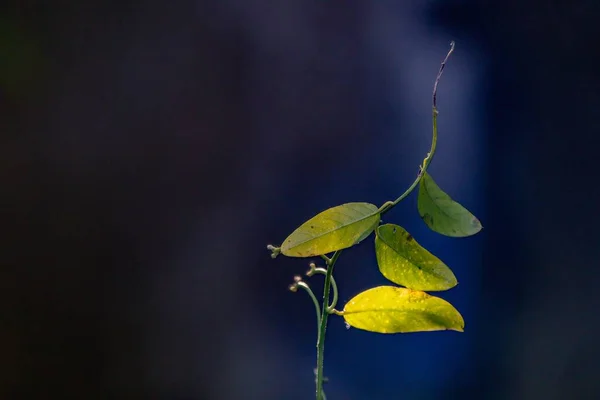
{"points": [[423, 168], [439, 75], [335, 296], [307, 289], [323, 325], [323, 271]]}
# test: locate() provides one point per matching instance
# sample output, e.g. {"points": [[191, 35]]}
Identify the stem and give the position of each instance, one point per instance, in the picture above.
{"points": [[323, 271], [390, 204], [323, 325], [304, 286], [439, 75], [335, 296]]}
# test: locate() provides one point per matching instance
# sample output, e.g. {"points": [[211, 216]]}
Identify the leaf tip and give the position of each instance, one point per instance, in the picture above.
{"points": [[460, 326]]}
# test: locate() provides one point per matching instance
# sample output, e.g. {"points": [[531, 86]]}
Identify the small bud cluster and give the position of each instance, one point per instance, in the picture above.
{"points": [[275, 251]]}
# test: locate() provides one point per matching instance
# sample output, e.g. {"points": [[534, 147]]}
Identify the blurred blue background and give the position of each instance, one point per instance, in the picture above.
{"points": [[150, 151]]}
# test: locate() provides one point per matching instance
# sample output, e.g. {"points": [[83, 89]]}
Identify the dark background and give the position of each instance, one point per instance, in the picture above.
{"points": [[150, 150]]}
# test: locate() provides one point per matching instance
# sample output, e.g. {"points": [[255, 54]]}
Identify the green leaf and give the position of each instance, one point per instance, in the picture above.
{"points": [[442, 214], [404, 261], [334, 229], [390, 309]]}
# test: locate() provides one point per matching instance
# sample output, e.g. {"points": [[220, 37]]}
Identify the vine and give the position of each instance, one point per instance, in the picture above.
{"points": [[385, 309]]}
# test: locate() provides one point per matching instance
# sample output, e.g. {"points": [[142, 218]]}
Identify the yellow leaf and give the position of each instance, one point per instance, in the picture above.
{"points": [[404, 261], [390, 309], [334, 229]]}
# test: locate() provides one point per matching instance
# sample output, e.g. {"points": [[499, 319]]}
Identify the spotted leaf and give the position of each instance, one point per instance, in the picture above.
{"points": [[334, 229], [404, 261], [390, 309]]}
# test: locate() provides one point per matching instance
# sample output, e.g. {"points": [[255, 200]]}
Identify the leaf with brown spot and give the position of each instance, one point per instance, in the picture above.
{"points": [[404, 261], [390, 309]]}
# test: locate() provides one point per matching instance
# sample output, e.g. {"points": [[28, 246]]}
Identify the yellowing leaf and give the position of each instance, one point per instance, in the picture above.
{"points": [[404, 261], [334, 229], [442, 214], [390, 309]]}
